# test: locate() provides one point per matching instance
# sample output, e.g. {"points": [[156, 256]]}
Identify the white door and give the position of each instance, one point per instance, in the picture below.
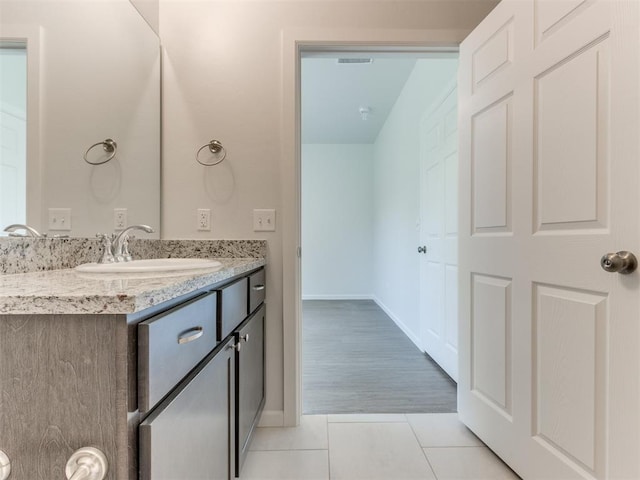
{"points": [[13, 164], [549, 155], [439, 232]]}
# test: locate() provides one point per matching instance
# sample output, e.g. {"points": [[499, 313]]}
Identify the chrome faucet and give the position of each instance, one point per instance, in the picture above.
{"points": [[29, 231], [120, 245]]}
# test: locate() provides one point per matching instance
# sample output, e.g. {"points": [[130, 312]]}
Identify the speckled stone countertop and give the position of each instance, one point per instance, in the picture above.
{"points": [[68, 291]]}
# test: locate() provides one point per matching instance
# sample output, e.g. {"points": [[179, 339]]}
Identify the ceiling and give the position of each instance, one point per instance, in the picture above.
{"points": [[333, 93]]}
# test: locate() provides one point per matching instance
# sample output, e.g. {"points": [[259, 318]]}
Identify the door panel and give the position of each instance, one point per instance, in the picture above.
{"points": [[490, 168], [549, 157], [493, 56], [550, 15], [569, 339], [571, 140], [490, 349]]}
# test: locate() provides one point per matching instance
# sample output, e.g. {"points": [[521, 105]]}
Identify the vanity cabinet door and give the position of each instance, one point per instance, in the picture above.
{"points": [[250, 381], [191, 434]]}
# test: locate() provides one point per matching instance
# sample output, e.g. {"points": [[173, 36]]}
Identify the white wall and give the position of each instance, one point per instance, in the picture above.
{"points": [[337, 221], [396, 195], [150, 11], [223, 78]]}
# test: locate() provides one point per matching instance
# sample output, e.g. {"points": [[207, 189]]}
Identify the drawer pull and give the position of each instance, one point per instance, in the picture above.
{"points": [[5, 466], [88, 463], [245, 337], [190, 335], [258, 287]]}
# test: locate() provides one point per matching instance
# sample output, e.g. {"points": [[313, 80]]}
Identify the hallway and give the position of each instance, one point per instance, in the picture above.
{"points": [[357, 360]]}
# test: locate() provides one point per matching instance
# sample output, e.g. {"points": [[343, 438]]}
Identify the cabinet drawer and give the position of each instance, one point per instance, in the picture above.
{"points": [[256, 290], [190, 435], [171, 344], [232, 306]]}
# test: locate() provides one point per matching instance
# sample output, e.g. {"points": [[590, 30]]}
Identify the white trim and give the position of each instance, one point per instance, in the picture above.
{"points": [[295, 41], [413, 337], [271, 418], [363, 296]]}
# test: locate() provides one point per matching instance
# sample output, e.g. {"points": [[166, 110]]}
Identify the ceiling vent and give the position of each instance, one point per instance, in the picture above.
{"points": [[355, 60]]}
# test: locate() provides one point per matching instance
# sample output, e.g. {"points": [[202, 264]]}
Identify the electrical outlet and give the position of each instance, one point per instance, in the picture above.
{"points": [[264, 220], [60, 219], [204, 219], [119, 218]]}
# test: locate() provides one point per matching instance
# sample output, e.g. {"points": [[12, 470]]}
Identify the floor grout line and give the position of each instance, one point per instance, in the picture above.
{"points": [[293, 450], [422, 449]]}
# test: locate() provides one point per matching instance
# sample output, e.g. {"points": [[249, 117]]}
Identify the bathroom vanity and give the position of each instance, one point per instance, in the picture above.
{"points": [[166, 380]]}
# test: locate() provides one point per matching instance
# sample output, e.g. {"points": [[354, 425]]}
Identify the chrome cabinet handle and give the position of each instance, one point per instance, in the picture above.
{"points": [[258, 287], [5, 466], [237, 347], [620, 262], [190, 335], [245, 337], [422, 249]]}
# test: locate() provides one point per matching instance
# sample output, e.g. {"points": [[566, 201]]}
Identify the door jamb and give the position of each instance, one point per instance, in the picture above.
{"points": [[294, 43]]}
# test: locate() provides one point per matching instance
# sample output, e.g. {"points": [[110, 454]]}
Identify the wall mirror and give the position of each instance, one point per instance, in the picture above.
{"points": [[92, 71]]}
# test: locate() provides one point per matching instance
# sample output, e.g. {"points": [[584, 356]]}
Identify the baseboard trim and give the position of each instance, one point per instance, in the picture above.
{"points": [[366, 296], [399, 323], [271, 418]]}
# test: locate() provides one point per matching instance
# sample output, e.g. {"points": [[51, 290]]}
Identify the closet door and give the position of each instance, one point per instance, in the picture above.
{"points": [[439, 232]]}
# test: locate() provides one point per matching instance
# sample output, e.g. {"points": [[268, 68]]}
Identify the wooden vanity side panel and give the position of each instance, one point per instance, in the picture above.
{"points": [[63, 386]]}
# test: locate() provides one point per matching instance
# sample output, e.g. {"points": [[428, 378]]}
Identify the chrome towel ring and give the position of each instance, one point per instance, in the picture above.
{"points": [[215, 147], [108, 145]]}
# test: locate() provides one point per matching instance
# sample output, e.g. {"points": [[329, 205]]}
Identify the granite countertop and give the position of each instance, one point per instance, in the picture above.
{"points": [[68, 291]]}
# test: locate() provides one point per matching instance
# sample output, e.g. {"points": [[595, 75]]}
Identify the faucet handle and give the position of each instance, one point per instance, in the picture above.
{"points": [[107, 254], [126, 256]]}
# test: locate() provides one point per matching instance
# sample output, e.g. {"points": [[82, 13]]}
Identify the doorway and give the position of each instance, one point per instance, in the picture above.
{"points": [[363, 120]]}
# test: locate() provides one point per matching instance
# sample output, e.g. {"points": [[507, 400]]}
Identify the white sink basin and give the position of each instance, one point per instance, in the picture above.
{"points": [[151, 265]]}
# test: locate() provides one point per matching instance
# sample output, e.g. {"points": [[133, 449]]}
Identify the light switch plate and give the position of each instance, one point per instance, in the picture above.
{"points": [[264, 220], [60, 219]]}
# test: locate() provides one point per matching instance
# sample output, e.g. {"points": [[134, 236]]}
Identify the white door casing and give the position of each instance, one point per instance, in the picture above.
{"points": [[549, 157], [439, 231]]}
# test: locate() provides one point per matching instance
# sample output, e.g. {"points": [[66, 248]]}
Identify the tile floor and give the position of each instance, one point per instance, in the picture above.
{"points": [[372, 447]]}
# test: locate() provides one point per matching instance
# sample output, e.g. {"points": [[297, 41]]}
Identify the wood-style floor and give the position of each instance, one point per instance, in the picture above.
{"points": [[357, 360]]}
